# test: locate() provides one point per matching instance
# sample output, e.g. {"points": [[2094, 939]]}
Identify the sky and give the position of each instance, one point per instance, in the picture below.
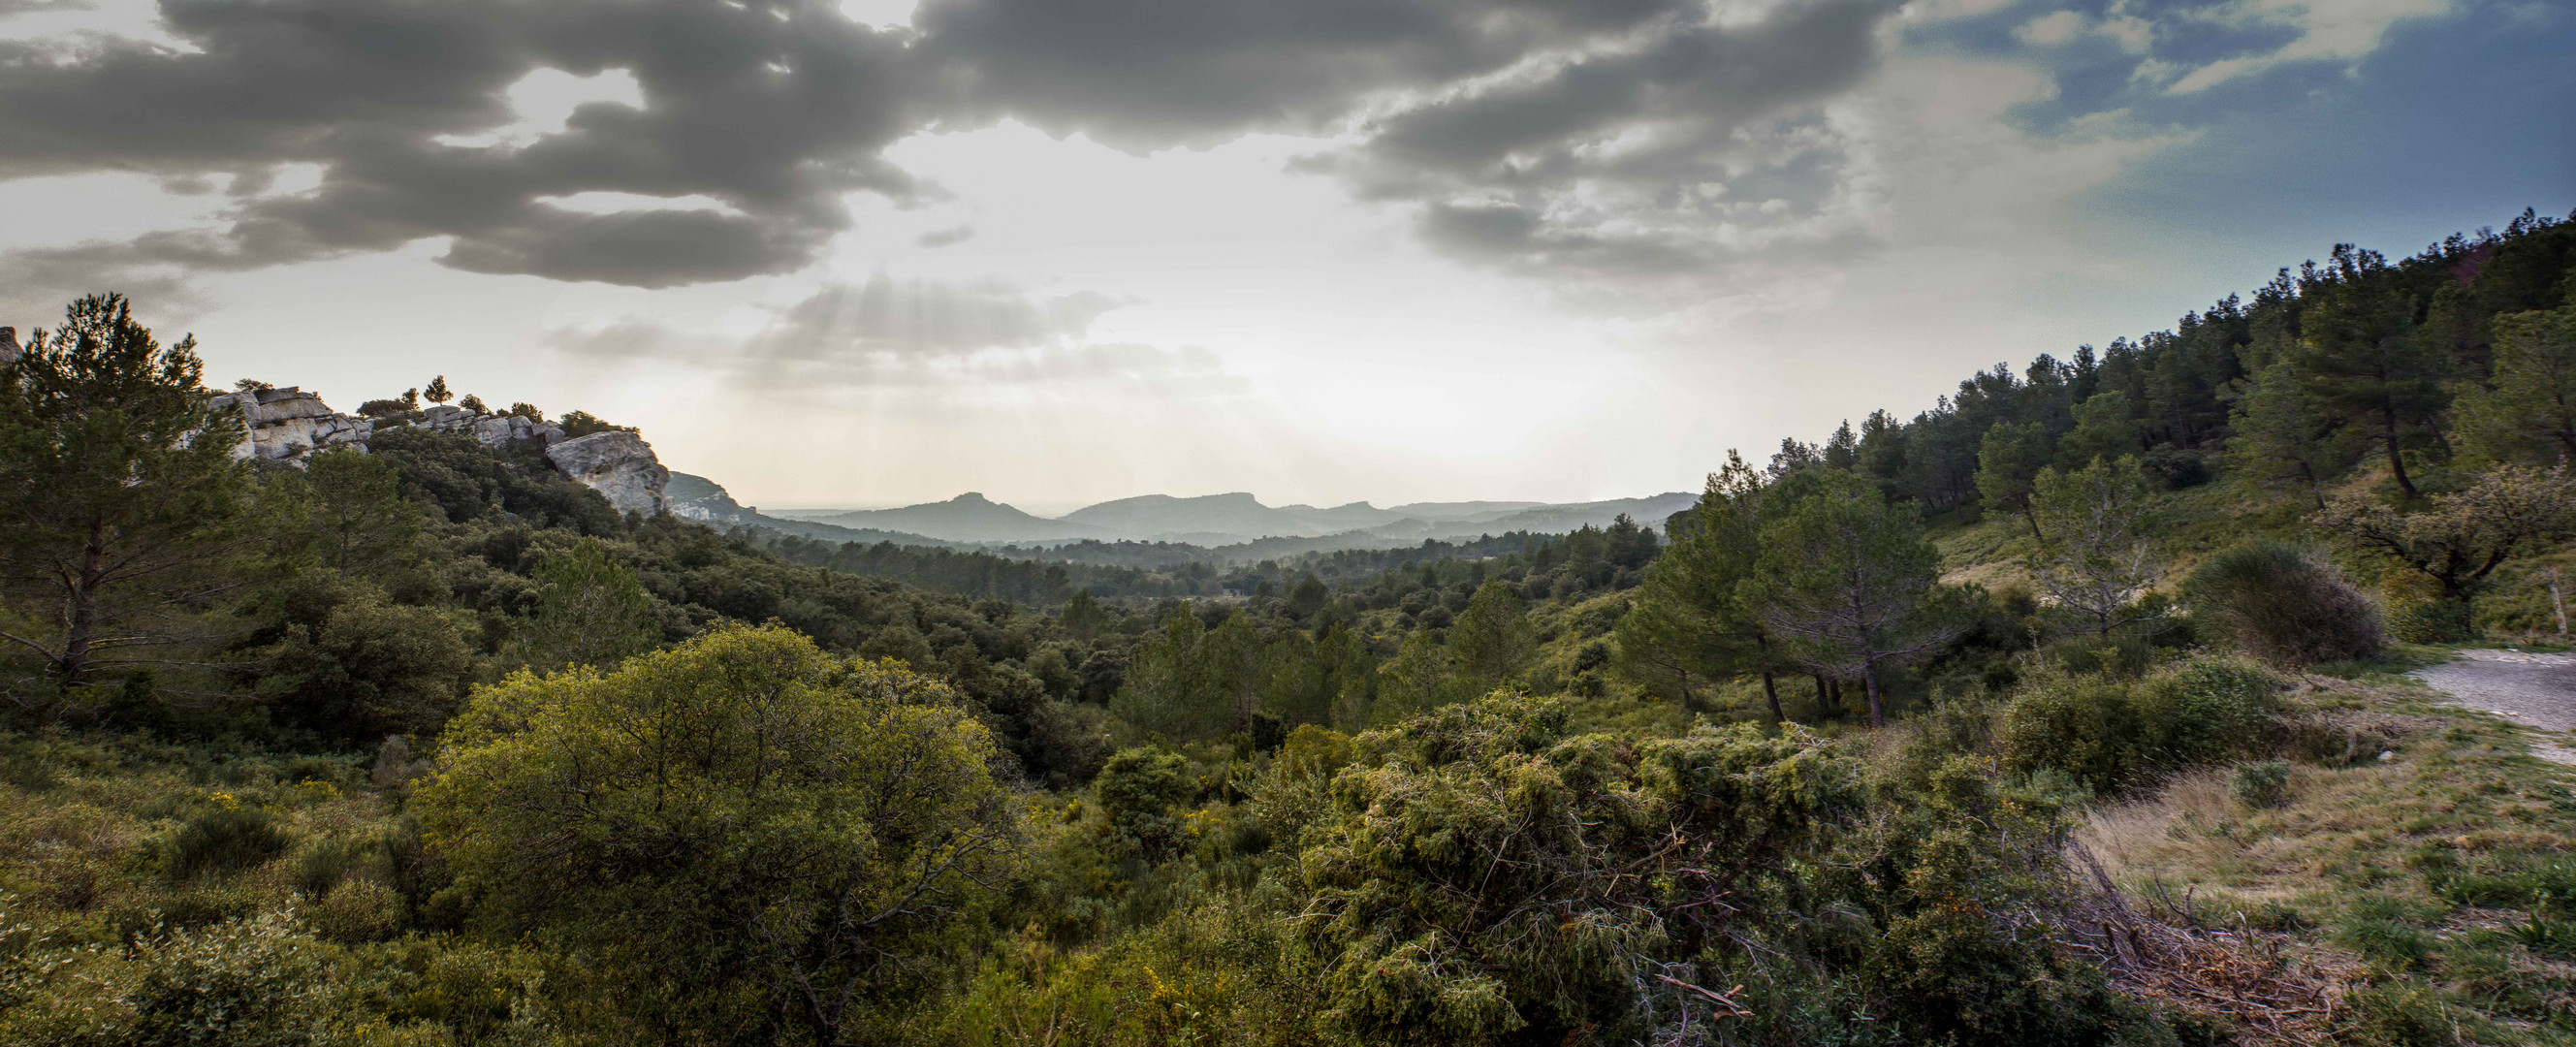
{"points": [[876, 252]]}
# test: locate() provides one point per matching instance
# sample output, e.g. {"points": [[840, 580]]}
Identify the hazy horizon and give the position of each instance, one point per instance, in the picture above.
{"points": [[873, 255]]}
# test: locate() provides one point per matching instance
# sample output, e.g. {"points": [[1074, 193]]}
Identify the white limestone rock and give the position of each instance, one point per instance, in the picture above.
{"points": [[8, 346], [285, 425], [620, 466]]}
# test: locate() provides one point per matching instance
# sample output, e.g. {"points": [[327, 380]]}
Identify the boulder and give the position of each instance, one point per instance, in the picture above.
{"points": [[617, 464], [8, 346]]}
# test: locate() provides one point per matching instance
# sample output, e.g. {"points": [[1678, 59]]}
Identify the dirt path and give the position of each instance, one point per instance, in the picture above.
{"points": [[2535, 690]]}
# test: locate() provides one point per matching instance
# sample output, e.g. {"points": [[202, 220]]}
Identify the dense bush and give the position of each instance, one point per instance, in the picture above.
{"points": [[223, 839], [2285, 605], [2109, 732]]}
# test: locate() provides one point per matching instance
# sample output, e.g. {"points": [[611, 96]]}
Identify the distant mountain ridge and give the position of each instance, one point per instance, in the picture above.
{"points": [[1233, 518], [969, 517]]}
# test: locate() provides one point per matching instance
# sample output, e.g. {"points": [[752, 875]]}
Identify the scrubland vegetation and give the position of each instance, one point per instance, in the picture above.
{"points": [[2068, 712]]}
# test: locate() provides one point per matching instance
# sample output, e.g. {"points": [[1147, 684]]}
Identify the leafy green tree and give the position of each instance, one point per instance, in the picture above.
{"points": [[436, 392], [2530, 413], [2360, 360], [368, 668], [1170, 689], [742, 831], [1492, 637], [2008, 461], [473, 403], [2097, 564], [1853, 584], [594, 611], [2106, 426], [2283, 436], [1691, 617], [2457, 540], [122, 509], [353, 510]]}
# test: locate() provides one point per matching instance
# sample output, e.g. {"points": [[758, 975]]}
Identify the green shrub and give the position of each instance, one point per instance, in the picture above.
{"points": [[357, 911], [251, 983], [2108, 732], [2433, 621], [2261, 784], [2285, 605], [2206, 709], [222, 840]]}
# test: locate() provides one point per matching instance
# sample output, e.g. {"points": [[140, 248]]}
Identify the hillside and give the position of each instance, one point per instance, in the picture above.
{"points": [[2071, 709]]}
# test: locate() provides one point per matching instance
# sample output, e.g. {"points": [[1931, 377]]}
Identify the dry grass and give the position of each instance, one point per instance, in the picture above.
{"points": [[2237, 895]]}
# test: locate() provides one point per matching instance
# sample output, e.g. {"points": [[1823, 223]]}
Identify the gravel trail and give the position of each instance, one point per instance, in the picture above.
{"points": [[2535, 690]]}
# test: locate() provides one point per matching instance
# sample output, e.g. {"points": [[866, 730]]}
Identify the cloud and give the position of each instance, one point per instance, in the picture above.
{"points": [[1143, 75], [1649, 148], [2341, 32], [9, 8], [948, 237], [916, 333], [773, 109]]}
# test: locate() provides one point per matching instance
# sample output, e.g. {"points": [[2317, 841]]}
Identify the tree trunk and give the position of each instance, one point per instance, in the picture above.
{"points": [[2396, 460], [1869, 678], [1824, 701], [1771, 691]]}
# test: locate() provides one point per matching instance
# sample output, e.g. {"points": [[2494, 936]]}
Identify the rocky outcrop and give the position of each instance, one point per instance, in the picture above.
{"points": [[620, 466], [284, 425], [499, 432], [705, 501], [8, 346]]}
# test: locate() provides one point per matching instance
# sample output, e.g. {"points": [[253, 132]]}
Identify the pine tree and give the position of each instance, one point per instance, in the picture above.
{"points": [[122, 510], [437, 392], [2097, 565], [1853, 584], [2010, 458], [595, 612], [2530, 414], [2359, 358]]}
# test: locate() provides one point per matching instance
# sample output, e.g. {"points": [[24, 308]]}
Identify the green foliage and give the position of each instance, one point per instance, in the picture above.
{"points": [[2008, 463], [742, 814], [1140, 793], [119, 499], [2283, 604], [1693, 617], [2095, 562], [577, 424], [2528, 411], [593, 611], [1492, 637], [2110, 732], [354, 667], [1482, 879], [2262, 783], [436, 391], [463, 480], [227, 838], [1852, 585]]}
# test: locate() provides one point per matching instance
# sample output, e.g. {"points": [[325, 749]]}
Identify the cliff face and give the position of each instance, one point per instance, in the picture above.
{"points": [[285, 425], [620, 466]]}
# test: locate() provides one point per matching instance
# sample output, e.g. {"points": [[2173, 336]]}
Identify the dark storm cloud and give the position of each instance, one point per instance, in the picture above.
{"points": [[1143, 74], [1666, 156], [772, 110]]}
